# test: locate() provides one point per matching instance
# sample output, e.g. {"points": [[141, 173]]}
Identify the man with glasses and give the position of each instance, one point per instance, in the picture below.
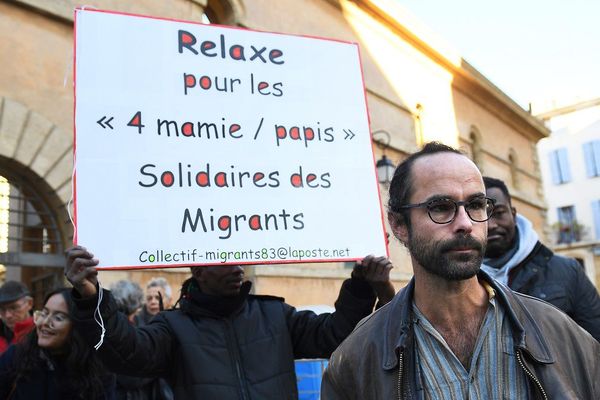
{"points": [[15, 313], [453, 332], [515, 257]]}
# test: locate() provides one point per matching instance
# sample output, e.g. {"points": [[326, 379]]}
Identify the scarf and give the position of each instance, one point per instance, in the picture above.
{"points": [[194, 301]]}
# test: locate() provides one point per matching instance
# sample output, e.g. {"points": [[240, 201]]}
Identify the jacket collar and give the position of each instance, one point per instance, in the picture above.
{"points": [[526, 332], [196, 303], [398, 325], [23, 327]]}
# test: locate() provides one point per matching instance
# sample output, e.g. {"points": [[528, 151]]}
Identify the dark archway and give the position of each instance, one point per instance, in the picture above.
{"points": [[30, 232]]}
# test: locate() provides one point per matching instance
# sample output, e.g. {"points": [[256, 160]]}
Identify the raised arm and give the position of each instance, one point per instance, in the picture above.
{"points": [[142, 352], [80, 271], [317, 336]]}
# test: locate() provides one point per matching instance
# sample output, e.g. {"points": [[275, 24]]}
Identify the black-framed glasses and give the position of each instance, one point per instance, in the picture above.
{"points": [[443, 211]]}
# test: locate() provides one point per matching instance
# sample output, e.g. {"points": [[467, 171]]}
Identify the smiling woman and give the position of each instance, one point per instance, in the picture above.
{"points": [[53, 361], [53, 324]]}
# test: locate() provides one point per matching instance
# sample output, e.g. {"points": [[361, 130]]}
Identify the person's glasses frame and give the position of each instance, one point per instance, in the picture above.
{"points": [[54, 319], [443, 210]]}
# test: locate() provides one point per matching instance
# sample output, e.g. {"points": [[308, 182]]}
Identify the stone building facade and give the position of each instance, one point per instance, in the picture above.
{"points": [[418, 89]]}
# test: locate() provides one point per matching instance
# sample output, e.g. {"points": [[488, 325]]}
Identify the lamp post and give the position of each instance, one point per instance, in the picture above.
{"points": [[385, 166], [385, 169]]}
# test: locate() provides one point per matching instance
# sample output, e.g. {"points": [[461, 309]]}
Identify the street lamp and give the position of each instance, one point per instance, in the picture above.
{"points": [[385, 166], [385, 169]]}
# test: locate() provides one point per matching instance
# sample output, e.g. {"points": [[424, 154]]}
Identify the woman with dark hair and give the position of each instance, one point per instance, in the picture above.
{"points": [[53, 361]]}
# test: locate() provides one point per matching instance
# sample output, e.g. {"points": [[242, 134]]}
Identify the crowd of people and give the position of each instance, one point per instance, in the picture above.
{"points": [[490, 313]]}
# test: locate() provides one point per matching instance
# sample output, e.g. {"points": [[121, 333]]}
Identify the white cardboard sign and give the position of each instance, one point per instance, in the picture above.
{"points": [[199, 144]]}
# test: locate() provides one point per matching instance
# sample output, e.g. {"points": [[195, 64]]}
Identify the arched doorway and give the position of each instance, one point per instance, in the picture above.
{"points": [[31, 243]]}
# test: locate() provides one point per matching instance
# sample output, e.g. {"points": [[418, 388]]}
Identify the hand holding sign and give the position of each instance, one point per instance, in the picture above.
{"points": [[80, 270]]}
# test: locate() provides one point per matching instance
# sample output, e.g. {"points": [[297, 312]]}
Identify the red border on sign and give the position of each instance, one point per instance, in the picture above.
{"points": [[265, 262], [74, 186]]}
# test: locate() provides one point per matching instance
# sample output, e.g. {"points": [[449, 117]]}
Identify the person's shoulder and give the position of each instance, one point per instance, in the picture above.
{"points": [[544, 313], [370, 328], [164, 317], [562, 261], [391, 315], [365, 348], [532, 303], [558, 266], [554, 260], [269, 304], [265, 297], [551, 323], [565, 269]]}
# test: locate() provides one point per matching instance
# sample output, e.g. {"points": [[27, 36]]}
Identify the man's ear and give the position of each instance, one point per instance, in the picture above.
{"points": [[398, 226], [513, 210]]}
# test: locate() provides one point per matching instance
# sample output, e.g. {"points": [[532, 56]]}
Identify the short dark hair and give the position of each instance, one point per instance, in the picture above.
{"points": [[402, 182], [490, 183]]}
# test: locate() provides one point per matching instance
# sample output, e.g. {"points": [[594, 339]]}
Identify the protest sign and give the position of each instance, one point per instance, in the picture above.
{"points": [[200, 144]]}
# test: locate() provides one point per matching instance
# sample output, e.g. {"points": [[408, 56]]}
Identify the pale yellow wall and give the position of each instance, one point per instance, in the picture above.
{"points": [[306, 288], [498, 136], [35, 63]]}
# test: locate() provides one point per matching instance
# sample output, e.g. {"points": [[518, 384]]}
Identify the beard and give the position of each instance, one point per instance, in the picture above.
{"points": [[497, 248], [436, 258]]}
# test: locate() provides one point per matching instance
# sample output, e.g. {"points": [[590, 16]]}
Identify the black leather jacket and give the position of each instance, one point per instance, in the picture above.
{"points": [[377, 360], [248, 354], [561, 281]]}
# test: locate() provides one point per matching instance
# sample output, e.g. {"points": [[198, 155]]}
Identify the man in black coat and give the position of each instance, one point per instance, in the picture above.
{"points": [[223, 343], [515, 257]]}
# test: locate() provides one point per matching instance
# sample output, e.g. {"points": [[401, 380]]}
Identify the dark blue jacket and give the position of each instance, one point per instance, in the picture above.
{"points": [[560, 281]]}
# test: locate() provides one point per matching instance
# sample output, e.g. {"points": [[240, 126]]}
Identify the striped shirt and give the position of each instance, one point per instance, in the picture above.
{"points": [[493, 374]]}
